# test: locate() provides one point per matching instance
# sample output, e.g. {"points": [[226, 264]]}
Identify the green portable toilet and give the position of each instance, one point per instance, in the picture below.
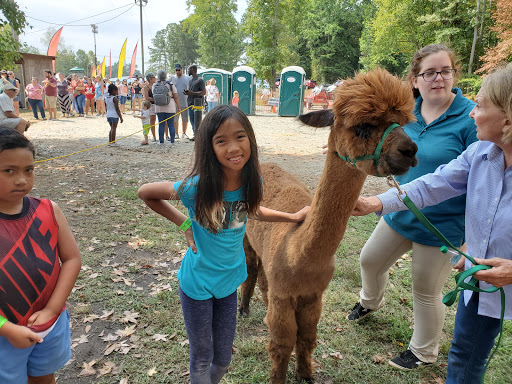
{"points": [[222, 81], [244, 81], [291, 91]]}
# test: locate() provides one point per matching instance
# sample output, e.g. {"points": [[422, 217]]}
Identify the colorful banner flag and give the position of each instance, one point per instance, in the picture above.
{"points": [[121, 60], [93, 72], [103, 68], [52, 47], [110, 72], [134, 57]]}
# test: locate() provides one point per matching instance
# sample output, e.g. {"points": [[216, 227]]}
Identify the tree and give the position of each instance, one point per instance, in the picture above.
{"points": [[334, 48], [262, 23], [219, 35], [176, 43], [29, 49], [501, 52], [12, 23]]}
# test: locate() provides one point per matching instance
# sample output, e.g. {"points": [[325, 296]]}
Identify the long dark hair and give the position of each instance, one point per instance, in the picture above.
{"points": [[212, 181], [12, 139]]}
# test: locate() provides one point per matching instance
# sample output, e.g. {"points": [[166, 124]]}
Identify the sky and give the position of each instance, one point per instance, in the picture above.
{"points": [[125, 23]]}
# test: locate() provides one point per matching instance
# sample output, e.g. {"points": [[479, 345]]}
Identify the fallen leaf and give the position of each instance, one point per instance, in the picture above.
{"points": [[124, 381], [336, 355], [128, 331], [110, 337], [87, 369], [87, 328], [129, 317], [159, 337], [152, 371], [81, 339], [108, 367], [379, 359]]}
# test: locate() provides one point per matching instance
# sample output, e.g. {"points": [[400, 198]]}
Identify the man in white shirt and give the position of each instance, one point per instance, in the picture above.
{"points": [[181, 82], [8, 118]]}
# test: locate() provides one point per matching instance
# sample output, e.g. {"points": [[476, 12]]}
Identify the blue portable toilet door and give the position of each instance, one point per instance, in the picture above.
{"points": [[290, 94]]}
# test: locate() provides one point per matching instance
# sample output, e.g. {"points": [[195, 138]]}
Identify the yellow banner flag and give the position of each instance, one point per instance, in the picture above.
{"points": [[121, 60], [103, 68]]}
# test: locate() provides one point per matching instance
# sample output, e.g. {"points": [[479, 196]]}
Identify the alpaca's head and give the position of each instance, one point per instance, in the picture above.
{"points": [[364, 107]]}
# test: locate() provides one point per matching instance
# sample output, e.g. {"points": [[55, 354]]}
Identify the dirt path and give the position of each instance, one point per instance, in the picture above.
{"points": [[297, 148]]}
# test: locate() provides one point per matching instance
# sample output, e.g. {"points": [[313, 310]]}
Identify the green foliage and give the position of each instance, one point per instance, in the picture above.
{"points": [[470, 85], [25, 48], [176, 43], [12, 21], [219, 36], [334, 48]]}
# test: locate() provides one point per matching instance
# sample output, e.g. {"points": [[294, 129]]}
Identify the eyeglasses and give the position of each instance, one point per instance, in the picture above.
{"points": [[178, 70], [446, 74]]}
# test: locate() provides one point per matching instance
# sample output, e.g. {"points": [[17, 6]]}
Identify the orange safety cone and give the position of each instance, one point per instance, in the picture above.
{"points": [[273, 109]]}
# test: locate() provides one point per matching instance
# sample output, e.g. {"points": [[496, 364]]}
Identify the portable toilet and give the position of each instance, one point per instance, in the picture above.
{"points": [[291, 91], [222, 81], [244, 81]]}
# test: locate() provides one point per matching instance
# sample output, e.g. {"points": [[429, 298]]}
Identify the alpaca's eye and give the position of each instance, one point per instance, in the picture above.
{"points": [[363, 131]]}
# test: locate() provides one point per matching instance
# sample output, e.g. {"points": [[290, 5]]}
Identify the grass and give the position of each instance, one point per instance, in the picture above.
{"points": [[110, 220]]}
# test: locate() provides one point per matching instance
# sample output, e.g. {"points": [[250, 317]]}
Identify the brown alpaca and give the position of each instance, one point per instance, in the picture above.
{"points": [[295, 262]]}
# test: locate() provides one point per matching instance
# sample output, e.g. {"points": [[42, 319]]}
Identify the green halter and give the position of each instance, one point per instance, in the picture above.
{"points": [[376, 155]]}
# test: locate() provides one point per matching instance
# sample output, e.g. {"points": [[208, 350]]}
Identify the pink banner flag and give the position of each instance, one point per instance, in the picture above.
{"points": [[52, 47], [134, 57], [93, 72]]}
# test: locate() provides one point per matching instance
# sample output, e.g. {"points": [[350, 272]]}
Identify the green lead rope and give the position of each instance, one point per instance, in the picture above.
{"points": [[460, 278]]}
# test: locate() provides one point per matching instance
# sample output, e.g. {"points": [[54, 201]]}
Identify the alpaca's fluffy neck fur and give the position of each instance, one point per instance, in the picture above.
{"points": [[335, 197]]}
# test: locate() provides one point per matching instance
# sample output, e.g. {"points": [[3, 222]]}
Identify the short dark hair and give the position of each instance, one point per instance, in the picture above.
{"points": [[12, 139], [112, 87], [47, 71], [211, 183]]}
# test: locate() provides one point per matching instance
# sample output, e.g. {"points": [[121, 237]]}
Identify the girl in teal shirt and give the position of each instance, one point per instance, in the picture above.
{"points": [[222, 191]]}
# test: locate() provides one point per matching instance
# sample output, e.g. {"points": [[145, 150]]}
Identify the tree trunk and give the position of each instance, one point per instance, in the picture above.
{"points": [[475, 38], [481, 34]]}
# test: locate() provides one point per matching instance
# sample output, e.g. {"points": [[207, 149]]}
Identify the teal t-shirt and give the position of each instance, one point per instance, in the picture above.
{"points": [[438, 143], [218, 267]]}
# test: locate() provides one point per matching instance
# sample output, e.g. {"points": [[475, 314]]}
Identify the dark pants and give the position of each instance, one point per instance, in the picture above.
{"points": [[34, 104], [191, 119], [210, 328], [473, 339], [161, 125]]}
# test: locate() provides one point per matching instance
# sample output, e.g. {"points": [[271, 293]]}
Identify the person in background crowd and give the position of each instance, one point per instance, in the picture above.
{"points": [[181, 82], [212, 95], [11, 79], [79, 92], [123, 95], [50, 91], [196, 89], [137, 96], [63, 95], [114, 115], [443, 130], [236, 98], [99, 88], [34, 92], [8, 119], [89, 97], [3, 79], [165, 112], [147, 93]]}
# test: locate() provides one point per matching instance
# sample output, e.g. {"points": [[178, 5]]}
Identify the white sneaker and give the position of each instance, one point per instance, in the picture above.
{"points": [[184, 136], [176, 136]]}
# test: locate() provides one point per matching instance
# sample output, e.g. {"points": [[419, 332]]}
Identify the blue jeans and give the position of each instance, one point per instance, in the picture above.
{"points": [[211, 105], [473, 339], [80, 103], [35, 104], [210, 328], [161, 125]]}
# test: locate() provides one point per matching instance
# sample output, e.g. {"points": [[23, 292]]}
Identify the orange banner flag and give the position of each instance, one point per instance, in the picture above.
{"points": [[52, 47]]}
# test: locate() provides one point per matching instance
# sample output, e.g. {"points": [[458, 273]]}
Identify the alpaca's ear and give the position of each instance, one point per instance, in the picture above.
{"points": [[324, 118]]}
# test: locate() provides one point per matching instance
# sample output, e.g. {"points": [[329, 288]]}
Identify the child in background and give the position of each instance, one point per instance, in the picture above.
{"points": [[235, 99], [113, 113], [222, 191], [34, 237], [146, 125]]}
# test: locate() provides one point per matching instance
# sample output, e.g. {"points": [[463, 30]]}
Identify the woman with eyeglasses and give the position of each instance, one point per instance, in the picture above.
{"points": [[443, 131]]}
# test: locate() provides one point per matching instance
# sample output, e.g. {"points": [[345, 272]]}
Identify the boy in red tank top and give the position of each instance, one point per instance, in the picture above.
{"points": [[39, 264]]}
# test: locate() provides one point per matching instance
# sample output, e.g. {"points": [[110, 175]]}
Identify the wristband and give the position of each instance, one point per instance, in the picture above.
{"points": [[186, 224], [3, 320]]}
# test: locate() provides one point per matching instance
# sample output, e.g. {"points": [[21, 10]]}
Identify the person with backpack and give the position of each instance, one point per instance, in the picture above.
{"points": [[167, 104]]}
